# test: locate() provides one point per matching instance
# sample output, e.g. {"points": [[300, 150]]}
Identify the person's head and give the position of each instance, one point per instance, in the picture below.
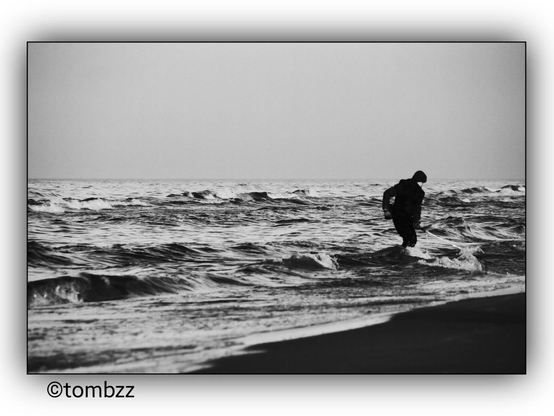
{"points": [[419, 176]]}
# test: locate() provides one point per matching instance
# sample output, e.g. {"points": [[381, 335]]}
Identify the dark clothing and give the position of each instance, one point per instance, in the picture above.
{"points": [[406, 211], [405, 227]]}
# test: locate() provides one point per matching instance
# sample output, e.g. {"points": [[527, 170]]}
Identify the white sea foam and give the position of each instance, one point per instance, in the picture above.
{"points": [[51, 207], [417, 252], [93, 204], [465, 261], [225, 193], [311, 261]]}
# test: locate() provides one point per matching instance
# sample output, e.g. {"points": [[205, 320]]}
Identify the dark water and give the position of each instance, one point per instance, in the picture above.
{"points": [[160, 276]]}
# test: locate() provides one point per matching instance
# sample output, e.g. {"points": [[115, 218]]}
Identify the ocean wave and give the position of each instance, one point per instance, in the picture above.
{"points": [[465, 260], [449, 201], [48, 207], [61, 205], [516, 188], [127, 256], [291, 221], [475, 190], [478, 228], [104, 286], [40, 255], [226, 195], [250, 248], [117, 255], [507, 189], [310, 193], [89, 287], [466, 196], [312, 261]]}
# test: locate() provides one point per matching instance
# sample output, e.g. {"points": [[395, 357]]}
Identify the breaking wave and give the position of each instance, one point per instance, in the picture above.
{"points": [[89, 287], [61, 205]]}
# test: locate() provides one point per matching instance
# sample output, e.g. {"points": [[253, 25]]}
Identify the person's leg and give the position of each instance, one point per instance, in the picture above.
{"points": [[409, 237], [405, 227]]}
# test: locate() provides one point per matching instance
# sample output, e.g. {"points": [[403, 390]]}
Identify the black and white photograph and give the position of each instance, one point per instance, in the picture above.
{"points": [[277, 208]]}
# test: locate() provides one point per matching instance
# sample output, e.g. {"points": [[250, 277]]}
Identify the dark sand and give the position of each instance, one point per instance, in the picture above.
{"points": [[473, 336]]}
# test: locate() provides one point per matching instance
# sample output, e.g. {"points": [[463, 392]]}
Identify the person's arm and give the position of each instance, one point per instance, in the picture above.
{"points": [[417, 213], [389, 193]]}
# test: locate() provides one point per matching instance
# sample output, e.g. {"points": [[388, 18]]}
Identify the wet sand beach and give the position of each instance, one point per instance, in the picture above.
{"points": [[472, 336]]}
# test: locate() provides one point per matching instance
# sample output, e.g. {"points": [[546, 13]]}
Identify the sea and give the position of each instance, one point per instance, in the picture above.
{"points": [[164, 276]]}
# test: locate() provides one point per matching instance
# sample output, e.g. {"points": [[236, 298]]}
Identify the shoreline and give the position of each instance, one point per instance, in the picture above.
{"points": [[374, 319], [476, 335]]}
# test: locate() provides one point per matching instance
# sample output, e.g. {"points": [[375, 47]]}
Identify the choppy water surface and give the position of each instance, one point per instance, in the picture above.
{"points": [[161, 276]]}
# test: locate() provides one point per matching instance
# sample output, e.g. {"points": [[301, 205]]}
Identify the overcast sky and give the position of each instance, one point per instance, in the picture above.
{"points": [[276, 110]]}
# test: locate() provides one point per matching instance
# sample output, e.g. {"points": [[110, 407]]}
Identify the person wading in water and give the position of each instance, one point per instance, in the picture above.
{"points": [[406, 210]]}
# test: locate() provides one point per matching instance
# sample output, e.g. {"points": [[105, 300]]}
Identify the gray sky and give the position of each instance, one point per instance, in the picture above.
{"points": [[276, 111]]}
